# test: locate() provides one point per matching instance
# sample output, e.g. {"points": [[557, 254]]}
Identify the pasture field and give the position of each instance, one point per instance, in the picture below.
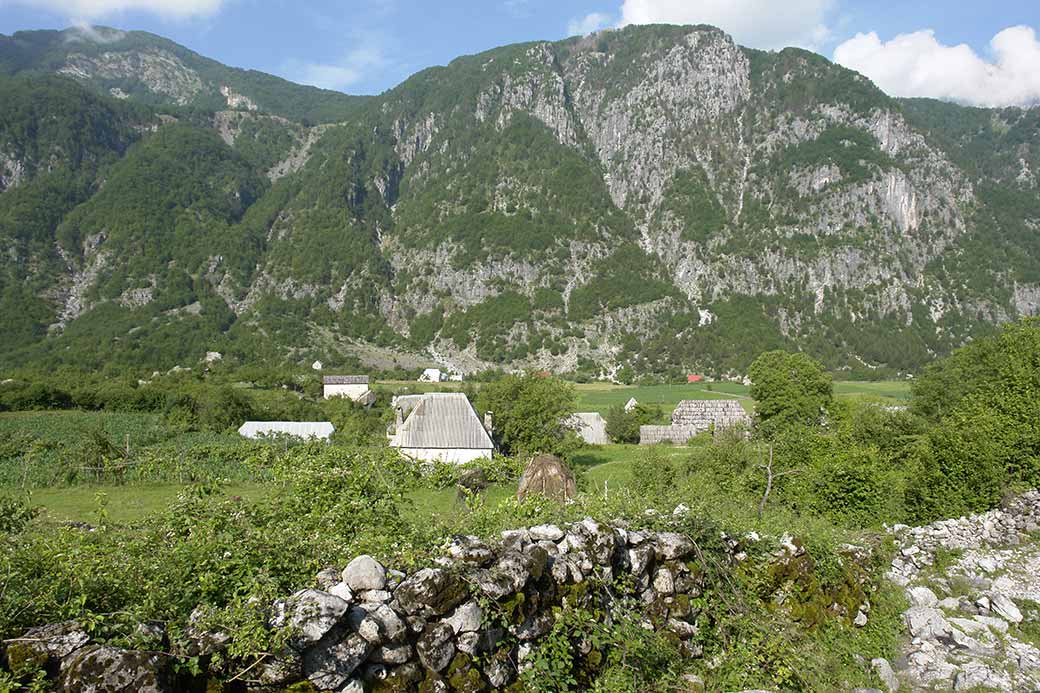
{"points": [[122, 504], [600, 397], [40, 450], [66, 425]]}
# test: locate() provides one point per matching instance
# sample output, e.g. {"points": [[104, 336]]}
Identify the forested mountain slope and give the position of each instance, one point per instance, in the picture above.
{"points": [[657, 197]]}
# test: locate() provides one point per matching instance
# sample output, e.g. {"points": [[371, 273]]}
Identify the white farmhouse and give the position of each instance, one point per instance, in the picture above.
{"points": [[320, 430], [353, 386], [431, 375], [590, 427], [440, 426]]}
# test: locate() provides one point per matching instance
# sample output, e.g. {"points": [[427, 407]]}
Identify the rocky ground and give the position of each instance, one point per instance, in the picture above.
{"points": [[974, 590]]}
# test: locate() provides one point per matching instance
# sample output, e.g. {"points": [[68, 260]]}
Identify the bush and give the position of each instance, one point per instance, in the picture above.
{"points": [[531, 414], [623, 426]]}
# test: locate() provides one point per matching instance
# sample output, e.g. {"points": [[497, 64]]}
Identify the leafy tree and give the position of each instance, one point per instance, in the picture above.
{"points": [[530, 413], [789, 389], [623, 426], [986, 399]]}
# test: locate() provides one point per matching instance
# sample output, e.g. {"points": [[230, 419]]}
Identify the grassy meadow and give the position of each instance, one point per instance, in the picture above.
{"points": [[68, 494]]}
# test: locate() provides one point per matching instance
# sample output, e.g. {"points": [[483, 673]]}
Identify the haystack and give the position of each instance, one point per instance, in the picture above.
{"points": [[547, 475]]}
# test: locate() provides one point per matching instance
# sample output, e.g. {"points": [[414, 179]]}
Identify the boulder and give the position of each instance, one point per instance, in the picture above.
{"points": [[430, 591], [672, 546], [884, 672], [364, 573], [101, 668], [45, 646], [279, 669], [470, 550], [330, 665], [327, 578], [547, 475], [467, 618], [435, 646], [922, 596], [342, 590], [392, 654], [376, 623], [927, 623], [312, 614], [546, 533], [1002, 606]]}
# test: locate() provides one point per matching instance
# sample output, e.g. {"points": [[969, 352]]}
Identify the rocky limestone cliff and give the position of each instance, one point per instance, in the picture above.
{"points": [[606, 192]]}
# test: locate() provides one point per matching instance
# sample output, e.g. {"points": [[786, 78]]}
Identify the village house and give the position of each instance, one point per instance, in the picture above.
{"points": [[431, 375], [319, 430], [694, 416], [353, 386], [590, 427], [440, 426]]}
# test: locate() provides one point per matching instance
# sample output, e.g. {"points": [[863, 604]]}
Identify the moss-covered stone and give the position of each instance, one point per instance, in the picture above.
{"points": [[463, 676], [23, 658]]}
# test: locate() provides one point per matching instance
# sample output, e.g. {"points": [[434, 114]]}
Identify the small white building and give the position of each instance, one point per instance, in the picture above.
{"points": [[431, 375], [317, 366], [353, 386], [591, 427], [440, 426], [631, 404], [320, 430]]}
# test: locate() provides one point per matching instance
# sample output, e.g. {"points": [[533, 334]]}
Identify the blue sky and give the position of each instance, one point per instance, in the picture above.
{"points": [[366, 47]]}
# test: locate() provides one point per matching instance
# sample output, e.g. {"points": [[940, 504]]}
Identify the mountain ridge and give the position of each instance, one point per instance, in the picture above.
{"points": [[656, 198]]}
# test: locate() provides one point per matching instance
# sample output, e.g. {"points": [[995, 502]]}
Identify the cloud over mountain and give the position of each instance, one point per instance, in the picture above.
{"points": [[755, 23], [918, 64]]}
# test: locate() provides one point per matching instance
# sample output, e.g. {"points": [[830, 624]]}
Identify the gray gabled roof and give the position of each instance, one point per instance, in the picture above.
{"points": [[300, 429], [345, 380], [440, 420]]}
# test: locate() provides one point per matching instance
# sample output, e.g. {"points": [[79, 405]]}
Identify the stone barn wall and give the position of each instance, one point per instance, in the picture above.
{"points": [[677, 435], [705, 413]]}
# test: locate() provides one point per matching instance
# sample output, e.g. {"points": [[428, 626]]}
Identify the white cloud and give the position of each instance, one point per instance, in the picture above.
{"points": [[588, 24], [356, 66], [756, 23], [94, 9], [919, 65]]}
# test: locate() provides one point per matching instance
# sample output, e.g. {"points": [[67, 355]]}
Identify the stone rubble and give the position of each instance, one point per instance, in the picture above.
{"points": [[963, 610]]}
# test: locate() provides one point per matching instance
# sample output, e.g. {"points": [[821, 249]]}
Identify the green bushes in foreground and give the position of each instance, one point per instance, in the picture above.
{"points": [[330, 504]]}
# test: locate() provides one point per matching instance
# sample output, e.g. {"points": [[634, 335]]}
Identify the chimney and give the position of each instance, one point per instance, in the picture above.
{"points": [[488, 425], [398, 417]]}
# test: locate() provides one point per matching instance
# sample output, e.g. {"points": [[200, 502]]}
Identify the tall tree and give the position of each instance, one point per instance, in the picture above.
{"points": [[789, 389], [531, 413]]}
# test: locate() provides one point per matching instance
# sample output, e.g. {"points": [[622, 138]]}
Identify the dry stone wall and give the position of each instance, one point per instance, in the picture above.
{"points": [[470, 622], [972, 583]]}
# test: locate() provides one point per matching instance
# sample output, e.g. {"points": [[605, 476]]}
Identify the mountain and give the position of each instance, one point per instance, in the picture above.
{"points": [[655, 197], [143, 67]]}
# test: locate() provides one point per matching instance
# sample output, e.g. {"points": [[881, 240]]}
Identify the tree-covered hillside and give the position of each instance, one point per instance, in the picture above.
{"points": [[653, 198], [153, 70]]}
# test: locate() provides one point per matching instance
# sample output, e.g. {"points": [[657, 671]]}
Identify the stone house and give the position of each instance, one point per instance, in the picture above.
{"points": [[431, 375], [353, 386], [694, 416], [321, 430], [441, 426]]}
